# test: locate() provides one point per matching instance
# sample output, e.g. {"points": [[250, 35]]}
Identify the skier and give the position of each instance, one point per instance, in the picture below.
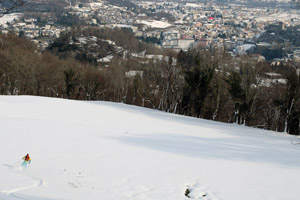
{"points": [[27, 160]]}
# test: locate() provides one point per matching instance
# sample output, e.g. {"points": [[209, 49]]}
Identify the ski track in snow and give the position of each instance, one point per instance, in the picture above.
{"points": [[37, 182]]}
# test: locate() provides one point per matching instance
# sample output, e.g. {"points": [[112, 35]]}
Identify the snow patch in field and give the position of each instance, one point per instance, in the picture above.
{"points": [[9, 18], [154, 23], [278, 16]]}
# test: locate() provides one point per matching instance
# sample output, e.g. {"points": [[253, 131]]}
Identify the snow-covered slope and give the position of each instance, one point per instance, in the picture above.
{"points": [[101, 150]]}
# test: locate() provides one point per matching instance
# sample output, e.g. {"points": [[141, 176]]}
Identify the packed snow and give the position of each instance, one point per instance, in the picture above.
{"points": [[103, 150]]}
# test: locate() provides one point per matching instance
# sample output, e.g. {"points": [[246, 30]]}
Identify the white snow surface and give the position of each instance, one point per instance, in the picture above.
{"points": [[154, 23], [9, 18], [102, 150]]}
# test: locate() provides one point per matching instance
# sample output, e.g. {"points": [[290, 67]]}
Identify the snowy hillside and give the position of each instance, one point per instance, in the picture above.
{"points": [[101, 150]]}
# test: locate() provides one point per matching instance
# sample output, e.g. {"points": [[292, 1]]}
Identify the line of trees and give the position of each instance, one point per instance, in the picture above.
{"points": [[209, 85]]}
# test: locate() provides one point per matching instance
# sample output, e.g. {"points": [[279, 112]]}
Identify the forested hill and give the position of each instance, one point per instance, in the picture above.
{"points": [[291, 34], [93, 44]]}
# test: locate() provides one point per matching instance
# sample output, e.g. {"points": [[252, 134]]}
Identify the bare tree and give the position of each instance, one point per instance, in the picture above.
{"points": [[8, 5]]}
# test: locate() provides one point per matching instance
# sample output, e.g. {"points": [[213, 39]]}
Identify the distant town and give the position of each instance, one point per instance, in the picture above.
{"points": [[176, 25]]}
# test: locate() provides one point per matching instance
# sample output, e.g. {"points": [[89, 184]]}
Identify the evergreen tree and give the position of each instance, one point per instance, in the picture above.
{"points": [[197, 85], [70, 81], [243, 88]]}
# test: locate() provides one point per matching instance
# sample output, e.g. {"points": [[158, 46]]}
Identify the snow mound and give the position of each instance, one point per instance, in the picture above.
{"points": [[102, 150]]}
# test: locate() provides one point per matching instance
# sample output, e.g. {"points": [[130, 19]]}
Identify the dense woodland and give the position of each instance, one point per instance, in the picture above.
{"points": [[104, 42], [210, 85]]}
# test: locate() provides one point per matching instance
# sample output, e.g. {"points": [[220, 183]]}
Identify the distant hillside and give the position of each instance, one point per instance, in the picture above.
{"points": [[94, 44], [291, 34]]}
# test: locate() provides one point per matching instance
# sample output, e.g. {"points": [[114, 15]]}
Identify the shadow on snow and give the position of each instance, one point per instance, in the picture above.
{"points": [[252, 150]]}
